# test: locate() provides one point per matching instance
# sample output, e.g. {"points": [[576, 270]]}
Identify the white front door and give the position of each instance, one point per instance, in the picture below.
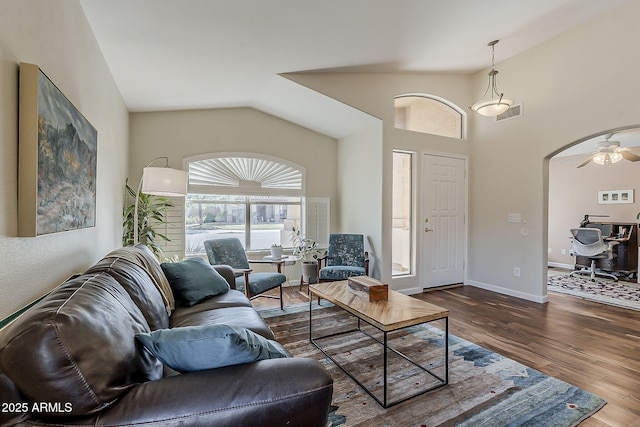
{"points": [[442, 224]]}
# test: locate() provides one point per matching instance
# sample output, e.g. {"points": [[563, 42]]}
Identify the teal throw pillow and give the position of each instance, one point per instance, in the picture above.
{"points": [[195, 348], [194, 280]]}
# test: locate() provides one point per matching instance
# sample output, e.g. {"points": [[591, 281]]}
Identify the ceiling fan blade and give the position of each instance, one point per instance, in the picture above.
{"points": [[629, 156], [586, 162]]}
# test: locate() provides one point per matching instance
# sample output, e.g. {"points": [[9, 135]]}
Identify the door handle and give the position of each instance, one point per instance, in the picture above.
{"points": [[427, 229]]}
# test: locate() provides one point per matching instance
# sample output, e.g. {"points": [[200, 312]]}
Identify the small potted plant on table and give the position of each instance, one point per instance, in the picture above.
{"points": [[276, 251], [307, 250]]}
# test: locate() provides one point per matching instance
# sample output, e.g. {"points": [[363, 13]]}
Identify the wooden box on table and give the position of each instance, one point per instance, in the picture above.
{"points": [[368, 288]]}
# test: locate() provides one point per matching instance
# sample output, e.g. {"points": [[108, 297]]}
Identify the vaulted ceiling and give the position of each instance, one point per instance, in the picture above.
{"points": [[177, 54]]}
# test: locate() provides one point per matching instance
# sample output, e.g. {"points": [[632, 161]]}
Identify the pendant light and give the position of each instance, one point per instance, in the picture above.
{"points": [[496, 103]]}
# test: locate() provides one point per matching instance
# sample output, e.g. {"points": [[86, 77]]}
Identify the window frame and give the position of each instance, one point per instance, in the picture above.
{"points": [[247, 202], [411, 212], [450, 106], [250, 192]]}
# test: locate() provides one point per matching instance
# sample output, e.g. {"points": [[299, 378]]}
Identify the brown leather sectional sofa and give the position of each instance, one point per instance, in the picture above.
{"points": [[72, 359]]}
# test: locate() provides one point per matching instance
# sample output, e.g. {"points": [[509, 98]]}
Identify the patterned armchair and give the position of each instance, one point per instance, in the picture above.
{"points": [[229, 251], [345, 258]]}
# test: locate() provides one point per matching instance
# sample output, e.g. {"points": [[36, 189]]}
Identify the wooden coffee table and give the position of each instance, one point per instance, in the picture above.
{"points": [[397, 312]]}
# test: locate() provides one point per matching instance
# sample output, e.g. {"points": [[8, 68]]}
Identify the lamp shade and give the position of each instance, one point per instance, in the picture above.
{"points": [[492, 107], [164, 182]]}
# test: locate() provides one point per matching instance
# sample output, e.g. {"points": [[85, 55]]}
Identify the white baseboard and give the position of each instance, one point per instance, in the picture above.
{"points": [[292, 283], [560, 265], [522, 295], [481, 285], [410, 291]]}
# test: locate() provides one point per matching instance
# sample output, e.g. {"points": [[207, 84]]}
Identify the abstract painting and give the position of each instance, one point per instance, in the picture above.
{"points": [[63, 150]]}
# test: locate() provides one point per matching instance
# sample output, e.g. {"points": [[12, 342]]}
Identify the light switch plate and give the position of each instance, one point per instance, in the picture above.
{"points": [[514, 217]]}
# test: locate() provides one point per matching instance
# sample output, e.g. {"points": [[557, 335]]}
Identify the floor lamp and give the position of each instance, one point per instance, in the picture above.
{"points": [[159, 181]]}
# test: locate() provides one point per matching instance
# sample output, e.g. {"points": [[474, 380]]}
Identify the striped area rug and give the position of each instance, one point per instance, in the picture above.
{"points": [[485, 388]]}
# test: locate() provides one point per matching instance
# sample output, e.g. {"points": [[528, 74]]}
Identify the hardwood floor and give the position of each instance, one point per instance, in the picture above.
{"points": [[592, 346]]}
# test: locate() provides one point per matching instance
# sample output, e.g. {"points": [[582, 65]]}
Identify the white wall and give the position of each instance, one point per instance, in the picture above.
{"points": [[579, 84], [374, 94], [576, 85], [183, 134], [359, 188], [56, 37]]}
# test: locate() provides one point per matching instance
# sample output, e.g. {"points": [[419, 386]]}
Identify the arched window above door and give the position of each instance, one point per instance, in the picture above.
{"points": [[429, 114]]}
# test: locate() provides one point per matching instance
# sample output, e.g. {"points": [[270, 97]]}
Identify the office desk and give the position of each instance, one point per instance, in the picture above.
{"points": [[625, 253]]}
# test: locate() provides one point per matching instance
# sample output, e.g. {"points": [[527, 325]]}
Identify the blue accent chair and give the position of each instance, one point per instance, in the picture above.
{"points": [[229, 251], [345, 258]]}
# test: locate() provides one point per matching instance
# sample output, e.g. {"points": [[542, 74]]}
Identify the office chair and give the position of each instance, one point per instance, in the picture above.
{"points": [[589, 243]]}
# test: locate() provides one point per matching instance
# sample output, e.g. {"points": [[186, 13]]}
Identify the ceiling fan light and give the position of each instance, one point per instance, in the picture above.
{"points": [[615, 157], [492, 107], [599, 159]]}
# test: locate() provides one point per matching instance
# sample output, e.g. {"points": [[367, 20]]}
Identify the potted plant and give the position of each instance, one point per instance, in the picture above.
{"points": [[276, 251], [307, 250], [151, 213]]}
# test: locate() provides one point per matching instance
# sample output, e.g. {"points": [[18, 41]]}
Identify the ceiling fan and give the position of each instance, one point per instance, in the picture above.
{"points": [[608, 152]]}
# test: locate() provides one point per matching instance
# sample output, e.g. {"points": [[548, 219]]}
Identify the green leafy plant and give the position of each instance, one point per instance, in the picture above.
{"points": [[304, 248], [151, 213]]}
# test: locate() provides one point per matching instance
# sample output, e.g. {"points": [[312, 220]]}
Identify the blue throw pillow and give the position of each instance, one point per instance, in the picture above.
{"points": [[195, 348], [194, 280]]}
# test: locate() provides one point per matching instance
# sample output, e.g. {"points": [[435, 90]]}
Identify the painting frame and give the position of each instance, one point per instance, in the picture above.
{"points": [[57, 159], [610, 197]]}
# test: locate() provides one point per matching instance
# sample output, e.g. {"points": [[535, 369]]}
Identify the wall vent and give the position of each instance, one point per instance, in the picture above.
{"points": [[512, 113]]}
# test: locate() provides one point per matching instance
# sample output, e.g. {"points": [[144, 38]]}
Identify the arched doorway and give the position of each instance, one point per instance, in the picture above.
{"points": [[583, 179]]}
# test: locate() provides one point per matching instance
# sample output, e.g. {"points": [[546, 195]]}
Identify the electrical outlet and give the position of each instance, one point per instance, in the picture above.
{"points": [[564, 251], [516, 271]]}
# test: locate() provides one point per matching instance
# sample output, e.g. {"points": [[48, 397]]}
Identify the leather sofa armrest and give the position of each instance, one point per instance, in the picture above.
{"points": [[228, 273], [16, 409], [290, 391]]}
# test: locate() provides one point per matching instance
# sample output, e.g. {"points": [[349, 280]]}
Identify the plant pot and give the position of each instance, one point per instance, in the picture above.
{"points": [[276, 252], [310, 272]]}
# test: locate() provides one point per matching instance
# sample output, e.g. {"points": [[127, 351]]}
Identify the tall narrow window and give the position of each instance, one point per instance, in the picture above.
{"points": [[401, 227]]}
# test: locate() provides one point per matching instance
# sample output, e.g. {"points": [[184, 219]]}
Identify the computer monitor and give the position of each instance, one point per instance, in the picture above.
{"points": [[605, 229]]}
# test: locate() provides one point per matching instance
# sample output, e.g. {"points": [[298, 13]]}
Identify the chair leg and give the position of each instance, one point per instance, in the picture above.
{"points": [[246, 285], [281, 300], [593, 272]]}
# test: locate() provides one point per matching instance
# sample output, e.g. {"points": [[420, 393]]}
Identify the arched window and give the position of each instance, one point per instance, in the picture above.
{"points": [[244, 173], [256, 198], [428, 114]]}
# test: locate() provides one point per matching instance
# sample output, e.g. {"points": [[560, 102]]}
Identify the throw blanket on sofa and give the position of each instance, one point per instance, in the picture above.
{"points": [[143, 257]]}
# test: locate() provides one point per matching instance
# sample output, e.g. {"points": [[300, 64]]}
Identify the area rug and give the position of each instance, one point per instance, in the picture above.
{"points": [[606, 291], [485, 388]]}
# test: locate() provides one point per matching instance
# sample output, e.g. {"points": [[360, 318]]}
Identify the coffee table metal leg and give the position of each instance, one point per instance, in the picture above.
{"points": [[446, 350], [386, 347], [310, 315]]}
